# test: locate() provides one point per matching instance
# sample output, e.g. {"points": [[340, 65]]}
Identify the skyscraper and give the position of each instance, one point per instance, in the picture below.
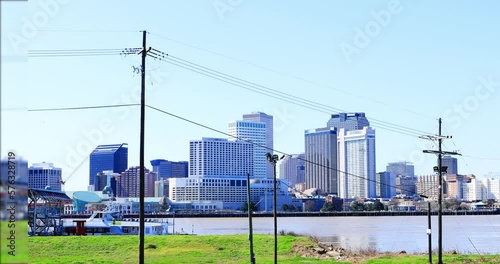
{"points": [[403, 168], [321, 152], [108, 157], [219, 157], [21, 171], [406, 185], [254, 132], [170, 169], [268, 119], [44, 174], [349, 121], [428, 186], [455, 185], [127, 183], [385, 184], [356, 163], [105, 178], [451, 163], [292, 168]]}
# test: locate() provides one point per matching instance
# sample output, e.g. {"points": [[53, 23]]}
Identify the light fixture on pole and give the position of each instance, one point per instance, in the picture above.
{"points": [[274, 159], [250, 227], [429, 229]]}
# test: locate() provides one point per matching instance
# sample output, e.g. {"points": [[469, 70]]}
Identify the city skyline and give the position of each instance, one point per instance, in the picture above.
{"points": [[408, 74]]}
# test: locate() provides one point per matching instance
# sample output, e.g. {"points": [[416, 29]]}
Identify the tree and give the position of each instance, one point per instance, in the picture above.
{"points": [[378, 206], [284, 207], [356, 206], [450, 203], [292, 208], [490, 203], [328, 207], [253, 207]]}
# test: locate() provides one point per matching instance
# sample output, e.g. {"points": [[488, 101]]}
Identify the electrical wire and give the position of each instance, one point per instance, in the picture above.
{"points": [[79, 107], [215, 130], [87, 30], [156, 54], [82, 52], [271, 149], [235, 81], [282, 73]]}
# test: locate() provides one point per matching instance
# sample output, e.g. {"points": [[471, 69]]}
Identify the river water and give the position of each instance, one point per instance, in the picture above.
{"points": [[466, 234]]}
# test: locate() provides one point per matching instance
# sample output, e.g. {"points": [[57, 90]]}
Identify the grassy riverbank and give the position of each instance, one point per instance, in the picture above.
{"points": [[204, 249], [14, 241]]}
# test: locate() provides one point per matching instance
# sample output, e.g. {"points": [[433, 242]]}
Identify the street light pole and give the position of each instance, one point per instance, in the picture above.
{"points": [[275, 216], [429, 231], [250, 227], [274, 159]]}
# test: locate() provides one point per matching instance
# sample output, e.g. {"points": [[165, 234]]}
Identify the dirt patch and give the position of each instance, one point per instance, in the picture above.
{"points": [[339, 254]]}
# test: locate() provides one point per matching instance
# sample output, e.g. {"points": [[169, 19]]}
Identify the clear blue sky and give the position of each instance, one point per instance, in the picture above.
{"points": [[419, 60]]}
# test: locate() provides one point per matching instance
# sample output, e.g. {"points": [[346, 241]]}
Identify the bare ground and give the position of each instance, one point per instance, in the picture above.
{"points": [[322, 251]]}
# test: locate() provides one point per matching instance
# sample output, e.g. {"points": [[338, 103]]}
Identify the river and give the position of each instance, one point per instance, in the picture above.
{"points": [[466, 234]]}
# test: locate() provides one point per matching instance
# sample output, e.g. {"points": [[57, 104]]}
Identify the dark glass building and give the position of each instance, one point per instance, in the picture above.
{"points": [[108, 157], [451, 164], [105, 178], [321, 152], [170, 169], [349, 121]]}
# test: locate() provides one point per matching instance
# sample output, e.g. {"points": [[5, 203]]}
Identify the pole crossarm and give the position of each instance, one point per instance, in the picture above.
{"points": [[430, 151], [440, 169]]}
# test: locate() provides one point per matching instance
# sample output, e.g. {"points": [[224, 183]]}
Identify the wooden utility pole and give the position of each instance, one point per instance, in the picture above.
{"points": [[141, 150], [439, 169]]}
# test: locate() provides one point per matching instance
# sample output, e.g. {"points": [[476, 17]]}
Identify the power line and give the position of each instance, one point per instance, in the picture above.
{"points": [[235, 81], [81, 52], [212, 129], [284, 73], [87, 30], [271, 149], [79, 108], [271, 92]]}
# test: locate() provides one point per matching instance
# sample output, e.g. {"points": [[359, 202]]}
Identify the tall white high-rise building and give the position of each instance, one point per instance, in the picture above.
{"points": [[292, 168], [491, 188], [356, 163], [473, 189], [268, 119], [219, 157], [254, 132], [41, 175]]}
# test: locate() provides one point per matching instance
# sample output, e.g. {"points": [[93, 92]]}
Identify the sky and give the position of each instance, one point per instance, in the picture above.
{"points": [[403, 62]]}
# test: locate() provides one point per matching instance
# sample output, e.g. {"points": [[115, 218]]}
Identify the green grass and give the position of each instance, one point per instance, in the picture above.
{"points": [[169, 249], [192, 249], [21, 242]]}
